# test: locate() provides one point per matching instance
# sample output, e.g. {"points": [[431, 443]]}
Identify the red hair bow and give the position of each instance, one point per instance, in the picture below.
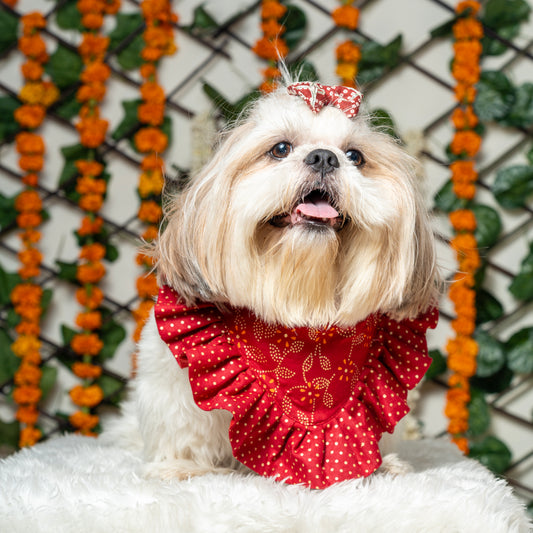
{"points": [[316, 96]]}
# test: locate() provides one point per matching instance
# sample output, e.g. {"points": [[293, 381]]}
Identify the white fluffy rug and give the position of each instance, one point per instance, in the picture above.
{"points": [[76, 484]]}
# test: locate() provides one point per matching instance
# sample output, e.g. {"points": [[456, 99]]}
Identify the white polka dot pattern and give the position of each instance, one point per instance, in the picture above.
{"points": [[309, 406]]}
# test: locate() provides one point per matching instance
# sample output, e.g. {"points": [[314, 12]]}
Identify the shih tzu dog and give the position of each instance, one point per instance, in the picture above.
{"points": [[298, 278]]}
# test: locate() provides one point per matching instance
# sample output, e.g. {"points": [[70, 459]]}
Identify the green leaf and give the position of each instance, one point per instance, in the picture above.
{"points": [[438, 365], [67, 334], [495, 96], [522, 285], [68, 16], [444, 30], [496, 383], [9, 433], [64, 67], [8, 213], [303, 71], [228, 110], [479, 413], [111, 253], [519, 350], [110, 386], [202, 23], [8, 281], [500, 13], [127, 24], [112, 334], [521, 113], [488, 308], [529, 156], [129, 123], [68, 108], [377, 58], [67, 271], [295, 23], [489, 225], [446, 201], [491, 355], [46, 299], [67, 178], [48, 380], [8, 125], [9, 362], [8, 30], [494, 47], [513, 185], [492, 453]]}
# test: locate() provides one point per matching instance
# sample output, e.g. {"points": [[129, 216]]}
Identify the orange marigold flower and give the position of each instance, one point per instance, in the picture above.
{"points": [[31, 162], [90, 226], [466, 142], [27, 394], [30, 237], [92, 131], [93, 47], [346, 17], [151, 113], [463, 220], [150, 212], [90, 273], [462, 444], [25, 344], [111, 6], [270, 49], [268, 86], [91, 91], [86, 344], [30, 256], [271, 73], [86, 397], [28, 201], [91, 202], [471, 5], [93, 252], [346, 71], [152, 162], [29, 436], [95, 73], [272, 29], [27, 328], [89, 320], [147, 286], [27, 414], [150, 140], [144, 260], [348, 52], [29, 271], [83, 421], [457, 426], [50, 93], [156, 36], [92, 21], [467, 28], [464, 325], [143, 311], [465, 93], [467, 52], [272, 9], [151, 183], [89, 168], [90, 6], [28, 374], [29, 220], [90, 297], [464, 118], [88, 185], [30, 116], [456, 380], [463, 243], [86, 370], [29, 143], [465, 73], [462, 353], [152, 92], [32, 70], [150, 234], [148, 70], [157, 10], [32, 21], [34, 47]]}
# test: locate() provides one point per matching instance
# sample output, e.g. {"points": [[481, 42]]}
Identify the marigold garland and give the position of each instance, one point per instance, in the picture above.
{"points": [[348, 53], [462, 349], [91, 187], [151, 141], [271, 46], [36, 95]]}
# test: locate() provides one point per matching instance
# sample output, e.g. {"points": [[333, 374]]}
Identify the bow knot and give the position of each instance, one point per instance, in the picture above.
{"points": [[316, 96]]}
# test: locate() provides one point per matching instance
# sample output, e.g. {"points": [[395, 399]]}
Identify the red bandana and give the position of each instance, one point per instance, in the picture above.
{"points": [[316, 96], [309, 406]]}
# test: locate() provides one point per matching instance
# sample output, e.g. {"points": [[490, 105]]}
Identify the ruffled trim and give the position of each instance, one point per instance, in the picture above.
{"points": [[262, 435]]}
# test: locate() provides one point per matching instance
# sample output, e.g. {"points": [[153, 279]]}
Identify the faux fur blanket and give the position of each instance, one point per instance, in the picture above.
{"points": [[77, 484]]}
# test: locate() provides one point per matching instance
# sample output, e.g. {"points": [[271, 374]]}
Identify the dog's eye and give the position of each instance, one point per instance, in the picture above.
{"points": [[356, 157], [281, 150]]}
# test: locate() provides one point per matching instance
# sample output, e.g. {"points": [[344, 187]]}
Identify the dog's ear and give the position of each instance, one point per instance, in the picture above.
{"points": [[189, 250]]}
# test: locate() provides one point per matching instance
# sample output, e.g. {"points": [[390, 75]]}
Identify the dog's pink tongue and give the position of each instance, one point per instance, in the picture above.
{"points": [[316, 208]]}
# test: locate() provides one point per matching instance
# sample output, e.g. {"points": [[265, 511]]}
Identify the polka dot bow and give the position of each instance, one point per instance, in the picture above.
{"points": [[316, 96]]}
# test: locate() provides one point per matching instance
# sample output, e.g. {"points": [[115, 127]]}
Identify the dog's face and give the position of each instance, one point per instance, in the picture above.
{"points": [[305, 218]]}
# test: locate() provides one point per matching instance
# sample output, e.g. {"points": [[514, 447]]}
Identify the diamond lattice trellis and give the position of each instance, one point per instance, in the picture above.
{"points": [[418, 95]]}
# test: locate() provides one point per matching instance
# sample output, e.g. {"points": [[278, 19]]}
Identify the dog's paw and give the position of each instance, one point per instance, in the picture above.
{"points": [[180, 469], [395, 466]]}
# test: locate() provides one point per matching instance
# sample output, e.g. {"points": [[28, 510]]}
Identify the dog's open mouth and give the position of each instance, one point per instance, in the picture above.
{"points": [[315, 209]]}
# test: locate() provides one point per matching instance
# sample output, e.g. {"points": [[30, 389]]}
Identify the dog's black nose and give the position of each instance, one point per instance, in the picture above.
{"points": [[322, 161]]}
